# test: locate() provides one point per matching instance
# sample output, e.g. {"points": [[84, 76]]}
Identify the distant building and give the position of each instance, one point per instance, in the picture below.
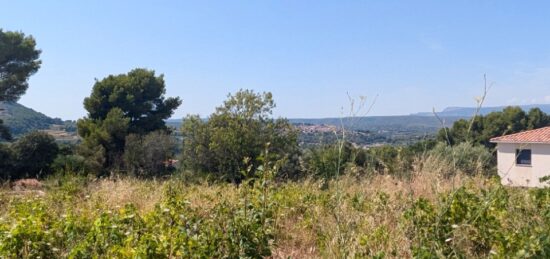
{"points": [[523, 158]]}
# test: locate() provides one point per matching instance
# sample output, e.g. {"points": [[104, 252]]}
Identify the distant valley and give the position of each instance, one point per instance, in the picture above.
{"points": [[363, 131]]}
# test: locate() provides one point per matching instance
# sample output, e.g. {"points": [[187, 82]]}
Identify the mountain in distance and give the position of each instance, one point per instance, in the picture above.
{"points": [[422, 121], [469, 111], [369, 123], [21, 119], [381, 123]]}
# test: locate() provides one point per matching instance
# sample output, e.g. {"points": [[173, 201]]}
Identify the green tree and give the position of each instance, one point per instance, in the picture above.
{"points": [[34, 153], [480, 131], [103, 140], [196, 145], [241, 129], [120, 105], [18, 61], [138, 94], [537, 119]]}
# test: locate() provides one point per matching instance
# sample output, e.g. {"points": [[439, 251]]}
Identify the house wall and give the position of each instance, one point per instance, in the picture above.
{"points": [[523, 175]]}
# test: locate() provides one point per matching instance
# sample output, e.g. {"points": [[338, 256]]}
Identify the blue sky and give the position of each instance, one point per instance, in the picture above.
{"points": [[414, 55]]}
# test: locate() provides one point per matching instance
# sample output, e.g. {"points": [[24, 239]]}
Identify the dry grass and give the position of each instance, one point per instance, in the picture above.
{"points": [[354, 216]]}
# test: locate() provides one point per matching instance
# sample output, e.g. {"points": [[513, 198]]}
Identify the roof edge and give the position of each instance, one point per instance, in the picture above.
{"points": [[518, 142]]}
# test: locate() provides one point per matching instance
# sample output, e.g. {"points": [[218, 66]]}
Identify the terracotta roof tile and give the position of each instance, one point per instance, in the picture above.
{"points": [[541, 135]]}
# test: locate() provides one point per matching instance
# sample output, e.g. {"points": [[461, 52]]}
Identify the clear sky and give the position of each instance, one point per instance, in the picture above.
{"points": [[414, 55]]}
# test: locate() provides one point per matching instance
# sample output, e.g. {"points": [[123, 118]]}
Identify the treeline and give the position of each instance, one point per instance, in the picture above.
{"points": [[125, 133], [481, 129]]}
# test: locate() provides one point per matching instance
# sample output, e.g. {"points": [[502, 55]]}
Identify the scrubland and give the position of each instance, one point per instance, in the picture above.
{"points": [[427, 214]]}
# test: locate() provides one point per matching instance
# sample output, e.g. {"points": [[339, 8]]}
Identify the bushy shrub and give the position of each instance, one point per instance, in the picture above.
{"points": [[466, 224], [241, 228], [240, 129], [70, 163], [327, 161], [6, 161], [474, 223], [464, 157], [34, 153], [397, 161], [149, 155]]}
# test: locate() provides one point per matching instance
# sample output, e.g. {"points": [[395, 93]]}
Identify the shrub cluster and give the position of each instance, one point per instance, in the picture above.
{"points": [[30, 156], [34, 228], [472, 223]]}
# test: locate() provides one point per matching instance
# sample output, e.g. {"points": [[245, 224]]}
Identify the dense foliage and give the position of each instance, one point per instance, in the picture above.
{"points": [[426, 216], [138, 94], [172, 228], [482, 128], [464, 158], [4, 131], [7, 159], [19, 59], [149, 155], [103, 140], [234, 137], [468, 223], [121, 105], [30, 156]]}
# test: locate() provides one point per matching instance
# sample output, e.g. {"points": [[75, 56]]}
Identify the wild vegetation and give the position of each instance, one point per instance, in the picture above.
{"points": [[481, 129], [427, 215], [244, 187]]}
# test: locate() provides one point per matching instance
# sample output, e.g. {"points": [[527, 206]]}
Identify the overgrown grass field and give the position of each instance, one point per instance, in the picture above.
{"points": [[426, 215]]}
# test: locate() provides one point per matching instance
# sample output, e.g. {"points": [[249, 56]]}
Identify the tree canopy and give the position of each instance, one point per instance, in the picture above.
{"points": [[120, 105], [236, 135], [482, 128], [18, 61], [138, 94], [34, 153]]}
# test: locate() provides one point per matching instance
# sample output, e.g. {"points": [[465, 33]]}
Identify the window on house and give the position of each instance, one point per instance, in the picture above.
{"points": [[523, 157]]}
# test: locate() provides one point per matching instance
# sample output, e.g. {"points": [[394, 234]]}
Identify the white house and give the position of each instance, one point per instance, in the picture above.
{"points": [[523, 158]]}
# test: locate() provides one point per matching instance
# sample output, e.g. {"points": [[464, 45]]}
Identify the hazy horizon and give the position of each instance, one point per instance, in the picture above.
{"points": [[310, 55]]}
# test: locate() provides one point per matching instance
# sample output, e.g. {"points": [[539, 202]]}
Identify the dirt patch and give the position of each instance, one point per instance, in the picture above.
{"points": [[26, 184]]}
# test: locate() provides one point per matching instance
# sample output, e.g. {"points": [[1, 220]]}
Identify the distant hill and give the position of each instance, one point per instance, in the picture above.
{"points": [[371, 123], [375, 123], [21, 119], [469, 111]]}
